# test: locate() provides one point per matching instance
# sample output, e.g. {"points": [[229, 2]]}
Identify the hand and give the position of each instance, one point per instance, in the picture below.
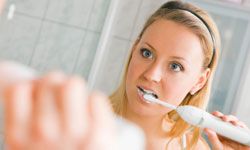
{"points": [[56, 112], [221, 143]]}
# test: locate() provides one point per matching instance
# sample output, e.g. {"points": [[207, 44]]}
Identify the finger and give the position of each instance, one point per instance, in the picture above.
{"points": [[229, 118], [218, 114], [234, 120], [214, 139], [103, 125], [17, 114], [73, 99], [240, 124], [46, 124]]}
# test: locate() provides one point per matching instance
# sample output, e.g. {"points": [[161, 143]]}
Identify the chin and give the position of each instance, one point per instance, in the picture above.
{"points": [[144, 110]]}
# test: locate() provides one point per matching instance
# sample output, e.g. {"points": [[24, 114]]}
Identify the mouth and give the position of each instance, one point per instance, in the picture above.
{"points": [[144, 91]]}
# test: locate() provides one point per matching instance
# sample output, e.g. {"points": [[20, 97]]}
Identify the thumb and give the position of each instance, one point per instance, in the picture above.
{"points": [[103, 123], [214, 139]]}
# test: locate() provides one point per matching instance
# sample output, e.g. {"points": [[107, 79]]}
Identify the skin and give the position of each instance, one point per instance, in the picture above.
{"points": [[167, 60], [55, 111], [172, 70], [1, 4]]}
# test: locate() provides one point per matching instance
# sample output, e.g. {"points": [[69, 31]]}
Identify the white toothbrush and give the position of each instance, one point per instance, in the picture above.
{"points": [[203, 119]]}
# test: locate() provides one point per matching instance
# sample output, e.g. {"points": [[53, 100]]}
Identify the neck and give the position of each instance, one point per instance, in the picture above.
{"points": [[151, 125], [155, 128]]}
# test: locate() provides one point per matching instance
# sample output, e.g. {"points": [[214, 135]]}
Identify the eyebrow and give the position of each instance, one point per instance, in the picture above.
{"points": [[179, 58], [175, 57], [150, 46]]}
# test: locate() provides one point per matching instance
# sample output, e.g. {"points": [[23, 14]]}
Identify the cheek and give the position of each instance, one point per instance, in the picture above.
{"points": [[134, 70], [130, 77], [177, 89]]}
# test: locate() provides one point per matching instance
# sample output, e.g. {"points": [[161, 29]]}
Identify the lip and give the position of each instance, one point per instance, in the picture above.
{"points": [[141, 96], [146, 88]]}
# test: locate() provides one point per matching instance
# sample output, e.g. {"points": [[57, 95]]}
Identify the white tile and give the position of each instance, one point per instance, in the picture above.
{"points": [[18, 38], [246, 3], [110, 72], [98, 15], [72, 12], [35, 8], [125, 19], [87, 54], [57, 48], [148, 7]]}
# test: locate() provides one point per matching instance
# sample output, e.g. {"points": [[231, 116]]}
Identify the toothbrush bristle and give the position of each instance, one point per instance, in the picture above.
{"points": [[149, 97]]}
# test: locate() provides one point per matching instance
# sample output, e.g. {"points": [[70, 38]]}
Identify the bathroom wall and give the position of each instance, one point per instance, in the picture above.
{"points": [[53, 34]]}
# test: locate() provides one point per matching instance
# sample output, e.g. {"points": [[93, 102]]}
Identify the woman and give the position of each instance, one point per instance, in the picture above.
{"points": [[174, 58]]}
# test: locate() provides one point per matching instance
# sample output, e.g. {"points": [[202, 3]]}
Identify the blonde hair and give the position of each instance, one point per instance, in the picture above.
{"points": [[209, 39]]}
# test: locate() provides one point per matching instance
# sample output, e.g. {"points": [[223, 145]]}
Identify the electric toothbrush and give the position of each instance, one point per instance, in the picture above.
{"points": [[203, 119]]}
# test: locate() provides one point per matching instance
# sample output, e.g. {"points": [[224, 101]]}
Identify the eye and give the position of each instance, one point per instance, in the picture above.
{"points": [[176, 67], [146, 53]]}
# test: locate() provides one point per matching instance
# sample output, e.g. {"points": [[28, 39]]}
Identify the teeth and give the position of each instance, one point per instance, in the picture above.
{"points": [[147, 92], [142, 93]]}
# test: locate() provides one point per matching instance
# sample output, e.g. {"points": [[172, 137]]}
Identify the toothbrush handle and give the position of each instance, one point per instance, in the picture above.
{"points": [[226, 129], [202, 119]]}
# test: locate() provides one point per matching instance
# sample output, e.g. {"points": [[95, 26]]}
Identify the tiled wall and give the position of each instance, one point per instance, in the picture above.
{"points": [[62, 34], [53, 34]]}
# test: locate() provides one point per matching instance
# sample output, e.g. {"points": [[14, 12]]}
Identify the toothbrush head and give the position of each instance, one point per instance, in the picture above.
{"points": [[149, 98]]}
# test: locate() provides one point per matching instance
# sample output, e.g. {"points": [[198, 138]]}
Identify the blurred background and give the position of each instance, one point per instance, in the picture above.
{"points": [[92, 38]]}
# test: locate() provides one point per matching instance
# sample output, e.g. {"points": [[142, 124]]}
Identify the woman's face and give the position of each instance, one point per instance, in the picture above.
{"points": [[167, 60]]}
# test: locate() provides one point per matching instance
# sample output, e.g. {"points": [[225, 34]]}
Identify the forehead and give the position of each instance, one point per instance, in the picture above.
{"points": [[174, 38]]}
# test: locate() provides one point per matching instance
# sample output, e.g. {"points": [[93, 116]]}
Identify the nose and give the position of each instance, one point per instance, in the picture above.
{"points": [[154, 73]]}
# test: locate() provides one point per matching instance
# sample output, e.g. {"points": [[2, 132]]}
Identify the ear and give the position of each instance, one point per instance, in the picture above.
{"points": [[201, 81]]}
